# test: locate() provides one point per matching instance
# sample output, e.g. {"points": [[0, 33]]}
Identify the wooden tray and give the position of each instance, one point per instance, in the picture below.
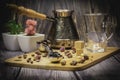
{"points": [[46, 64]]}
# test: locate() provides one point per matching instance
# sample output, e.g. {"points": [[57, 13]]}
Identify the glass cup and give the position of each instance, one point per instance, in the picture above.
{"points": [[99, 29]]}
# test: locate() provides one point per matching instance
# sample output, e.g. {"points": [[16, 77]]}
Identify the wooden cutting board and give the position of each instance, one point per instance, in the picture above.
{"points": [[45, 63]]}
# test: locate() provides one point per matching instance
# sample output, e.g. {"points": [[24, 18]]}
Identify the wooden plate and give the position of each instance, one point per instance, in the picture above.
{"points": [[45, 63]]}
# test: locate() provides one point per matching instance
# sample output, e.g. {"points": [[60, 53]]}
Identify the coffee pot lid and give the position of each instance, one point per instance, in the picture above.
{"points": [[63, 12]]}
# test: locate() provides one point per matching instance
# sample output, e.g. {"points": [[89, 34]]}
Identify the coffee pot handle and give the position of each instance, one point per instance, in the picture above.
{"points": [[26, 11]]}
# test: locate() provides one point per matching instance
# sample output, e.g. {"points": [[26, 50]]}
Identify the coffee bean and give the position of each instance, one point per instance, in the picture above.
{"points": [[38, 52], [82, 61], [73, 63], [19, 57], [69, 56], [63, 62], [32, 55], [31, 62], [86, 57], [24, 56]]}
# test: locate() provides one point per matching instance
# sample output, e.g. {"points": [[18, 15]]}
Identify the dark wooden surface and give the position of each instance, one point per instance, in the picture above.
{"points": [[108, 69]]}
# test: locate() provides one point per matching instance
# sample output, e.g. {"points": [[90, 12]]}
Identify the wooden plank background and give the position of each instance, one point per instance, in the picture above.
{"points": [[108, 69], [80, 7]]}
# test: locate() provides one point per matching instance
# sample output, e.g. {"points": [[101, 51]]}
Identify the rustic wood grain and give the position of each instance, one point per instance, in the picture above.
{"points": [[106, 70], [8, 73], [110, 66], [45, 63]]}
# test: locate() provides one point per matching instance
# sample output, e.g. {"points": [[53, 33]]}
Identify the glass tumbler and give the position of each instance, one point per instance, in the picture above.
{"points": [[99, 29]]}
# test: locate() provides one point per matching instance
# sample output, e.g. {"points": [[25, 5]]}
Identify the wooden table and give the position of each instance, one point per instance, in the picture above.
{"points": [[109, 69]]}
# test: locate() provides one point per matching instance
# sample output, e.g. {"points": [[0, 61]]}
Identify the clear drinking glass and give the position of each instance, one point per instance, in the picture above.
{"points": [[99, 29]]}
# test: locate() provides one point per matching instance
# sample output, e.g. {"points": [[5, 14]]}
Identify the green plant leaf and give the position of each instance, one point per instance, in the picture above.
{"points": [[13, 27]]}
